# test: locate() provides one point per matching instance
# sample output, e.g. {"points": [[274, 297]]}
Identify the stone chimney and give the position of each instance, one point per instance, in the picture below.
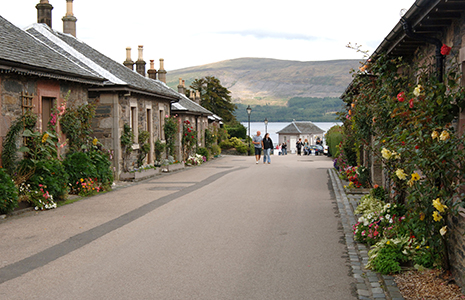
{"points": [[128, 62], [152, 73], [197, 97], [192, 95], [140, 63], [44, 13], [69, 20], [180, 86], [162, 72]]}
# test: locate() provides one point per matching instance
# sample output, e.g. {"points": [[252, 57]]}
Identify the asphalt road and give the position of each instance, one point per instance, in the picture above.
{"points": [[229, 229]]}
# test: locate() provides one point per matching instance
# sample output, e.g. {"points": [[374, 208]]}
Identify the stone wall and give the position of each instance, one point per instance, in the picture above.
{"points": [[13, 86]]}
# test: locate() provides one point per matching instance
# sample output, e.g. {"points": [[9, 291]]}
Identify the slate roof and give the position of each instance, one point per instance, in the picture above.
{"points": [[90, 59], [187, 105], [301, 127], [22, 53]]}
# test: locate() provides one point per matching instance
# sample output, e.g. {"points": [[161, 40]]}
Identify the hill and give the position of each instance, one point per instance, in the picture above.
{"points": [[263, 81]]}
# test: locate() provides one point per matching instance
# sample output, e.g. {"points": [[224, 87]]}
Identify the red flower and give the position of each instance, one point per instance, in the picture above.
{"points": [[185, 134], [403, 143], [192, 136], [445, 50], [401, 96], [410, 103], [417, 147]]}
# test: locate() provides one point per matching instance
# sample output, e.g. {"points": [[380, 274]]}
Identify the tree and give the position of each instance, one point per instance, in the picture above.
{"points": [[215, 97]]}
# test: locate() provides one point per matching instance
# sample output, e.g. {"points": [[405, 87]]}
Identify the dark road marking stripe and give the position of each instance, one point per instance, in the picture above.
{"points": [[77, 241]]}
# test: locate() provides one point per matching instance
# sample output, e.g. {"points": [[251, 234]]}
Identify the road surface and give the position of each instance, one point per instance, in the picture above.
{"points": [[229, 229]]}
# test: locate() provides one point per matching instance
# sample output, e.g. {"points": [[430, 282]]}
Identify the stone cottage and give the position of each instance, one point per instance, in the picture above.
{"points": [[299, 129], [126, 96], [420, 32], [35, 78]]}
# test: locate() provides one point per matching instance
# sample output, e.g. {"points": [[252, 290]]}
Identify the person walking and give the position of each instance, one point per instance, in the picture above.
{"points": [[299, 145], [284, 148], [267, 144], [257, 142]]}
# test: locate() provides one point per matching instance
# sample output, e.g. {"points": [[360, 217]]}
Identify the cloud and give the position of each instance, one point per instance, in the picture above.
{"points": [[263, 34]]}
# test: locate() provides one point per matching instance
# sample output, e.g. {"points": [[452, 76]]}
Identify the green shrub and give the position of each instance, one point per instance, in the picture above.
{"points": [[204, 152], [333, 138], [226, 144], [237, 130], [241, 148], [52, 175], [102, 163], [79, 165], [216, 150], [159, 148], [8, 193]]}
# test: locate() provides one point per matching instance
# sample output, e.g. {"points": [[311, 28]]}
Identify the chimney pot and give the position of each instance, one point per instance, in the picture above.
{"points": [[140, 63], [69, 20], [128, 62], [162, 72], [152, 73], [44, 12]]}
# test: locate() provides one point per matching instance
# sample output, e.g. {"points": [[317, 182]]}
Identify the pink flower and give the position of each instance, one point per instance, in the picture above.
{"points": [[410, 103]]}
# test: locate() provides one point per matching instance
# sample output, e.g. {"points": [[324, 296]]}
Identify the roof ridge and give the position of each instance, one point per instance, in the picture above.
{"points": [[76, 54]]}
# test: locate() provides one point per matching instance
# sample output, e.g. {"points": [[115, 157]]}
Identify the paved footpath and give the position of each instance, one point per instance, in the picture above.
{"points": [[229, 229]]}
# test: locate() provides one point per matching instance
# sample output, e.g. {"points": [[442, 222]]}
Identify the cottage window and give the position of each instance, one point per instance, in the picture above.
{"points": [[133, 123]]}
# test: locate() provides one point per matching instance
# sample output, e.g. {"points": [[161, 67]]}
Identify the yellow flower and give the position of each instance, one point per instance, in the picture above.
{"points": [[82, 180], [444, 135], [44, 138], [443, 230], [436, 216], [386, 153], [388, 242], [95, 141], [427, 247], [434, 135], [401, 174], [418, 247], [417, 91], [415, 176], [438, 205]]}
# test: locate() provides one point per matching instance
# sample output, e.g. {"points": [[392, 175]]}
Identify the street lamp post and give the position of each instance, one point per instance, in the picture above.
{"points": [[266, 125], [249, 111]]}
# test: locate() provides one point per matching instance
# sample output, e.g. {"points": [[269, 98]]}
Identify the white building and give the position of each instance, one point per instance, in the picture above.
{"points": [[299, 129]]}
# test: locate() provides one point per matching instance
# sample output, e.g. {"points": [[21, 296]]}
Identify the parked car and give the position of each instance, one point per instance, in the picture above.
{"points": [[325, 150], [317, 149]]}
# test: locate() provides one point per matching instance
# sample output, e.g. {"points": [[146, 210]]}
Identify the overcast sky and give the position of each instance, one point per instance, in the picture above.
{"points": [[189, 33]]}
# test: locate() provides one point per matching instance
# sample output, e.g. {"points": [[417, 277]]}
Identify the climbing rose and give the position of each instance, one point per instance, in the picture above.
{"points": [[401, 96], [438, 205], [445, 50], [436, 216], [401, 174], [434, 135], [443, 230], [444, 135]]}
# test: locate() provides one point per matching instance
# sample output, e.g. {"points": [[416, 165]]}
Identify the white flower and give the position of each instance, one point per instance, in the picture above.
{"points": [[388, 216]]}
